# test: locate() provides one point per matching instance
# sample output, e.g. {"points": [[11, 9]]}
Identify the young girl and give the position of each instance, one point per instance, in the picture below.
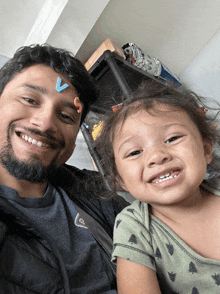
{"points": [[157, 146]]}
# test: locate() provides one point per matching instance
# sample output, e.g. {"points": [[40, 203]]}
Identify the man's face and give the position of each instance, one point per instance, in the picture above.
{"points": [[38, 124]]}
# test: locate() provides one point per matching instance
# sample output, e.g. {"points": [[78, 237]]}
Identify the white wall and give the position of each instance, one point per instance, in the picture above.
{"points": [[203, 74], [75, 23], [81, 157], [16, 19], [3, 60]]}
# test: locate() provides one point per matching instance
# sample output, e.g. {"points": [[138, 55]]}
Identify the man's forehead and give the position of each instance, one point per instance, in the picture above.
{"points": [[37, 72]]}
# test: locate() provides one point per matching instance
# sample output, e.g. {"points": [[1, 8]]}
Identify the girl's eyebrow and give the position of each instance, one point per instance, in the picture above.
{"points": [[173, 124], [36, 88], [132, 137]]}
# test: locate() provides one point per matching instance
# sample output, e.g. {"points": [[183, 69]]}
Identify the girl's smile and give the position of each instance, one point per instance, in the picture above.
{"points": [[166, 178]]}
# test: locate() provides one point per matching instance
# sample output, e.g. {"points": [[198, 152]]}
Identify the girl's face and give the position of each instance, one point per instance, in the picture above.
{"points": [[160, 156]]}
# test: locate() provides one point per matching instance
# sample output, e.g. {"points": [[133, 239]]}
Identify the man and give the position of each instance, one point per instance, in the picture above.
{"points": [[45, 245]]}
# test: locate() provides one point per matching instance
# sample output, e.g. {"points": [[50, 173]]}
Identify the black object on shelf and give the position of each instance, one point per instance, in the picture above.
{"points": [[115, 77], [93, 153]]}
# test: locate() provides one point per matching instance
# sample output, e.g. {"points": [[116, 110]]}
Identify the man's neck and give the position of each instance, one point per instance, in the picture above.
{"points": [[24, 188]]}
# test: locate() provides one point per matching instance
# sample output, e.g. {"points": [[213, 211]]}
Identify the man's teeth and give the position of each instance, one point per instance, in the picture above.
{"points": [[166, 177], [32, 141]]}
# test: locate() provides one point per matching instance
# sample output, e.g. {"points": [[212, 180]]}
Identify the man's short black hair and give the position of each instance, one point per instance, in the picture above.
{"points": [[62, 61]]}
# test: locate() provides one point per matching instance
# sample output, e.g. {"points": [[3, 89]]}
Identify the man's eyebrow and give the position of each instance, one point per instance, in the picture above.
{"points": [[69, 105], [36, 88]]}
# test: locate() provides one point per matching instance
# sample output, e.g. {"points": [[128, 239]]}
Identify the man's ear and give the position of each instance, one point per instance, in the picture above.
{"points": [[208, 148]]}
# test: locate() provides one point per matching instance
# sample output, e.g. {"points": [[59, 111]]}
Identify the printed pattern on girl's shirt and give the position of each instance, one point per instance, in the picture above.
{"points": [[144, 239]]}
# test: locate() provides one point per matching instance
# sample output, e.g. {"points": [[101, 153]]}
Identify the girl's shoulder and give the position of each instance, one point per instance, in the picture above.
{"points": [[136, 212]]}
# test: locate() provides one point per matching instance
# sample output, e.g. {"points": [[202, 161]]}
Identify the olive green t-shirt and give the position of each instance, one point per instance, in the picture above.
{"points": [[142, 238]]}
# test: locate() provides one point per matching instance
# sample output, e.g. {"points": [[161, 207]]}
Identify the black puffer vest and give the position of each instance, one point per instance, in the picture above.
{"points": [[29, 262]]}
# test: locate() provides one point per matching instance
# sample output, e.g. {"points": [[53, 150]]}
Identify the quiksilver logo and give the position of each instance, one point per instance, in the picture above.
{"points": [[79, 222]]}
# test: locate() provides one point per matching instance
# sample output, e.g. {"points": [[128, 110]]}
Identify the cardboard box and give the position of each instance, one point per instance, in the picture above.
{"points": [[106, 45]]}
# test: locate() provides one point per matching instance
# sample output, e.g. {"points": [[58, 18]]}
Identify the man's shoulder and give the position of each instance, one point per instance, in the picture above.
{"points": [[68, 175], [82, 181], [86, 189], [80, 174], [86, 185]]}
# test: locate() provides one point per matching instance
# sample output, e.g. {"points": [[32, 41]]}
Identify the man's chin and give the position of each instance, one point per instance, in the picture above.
{"points": [[31, 170]]}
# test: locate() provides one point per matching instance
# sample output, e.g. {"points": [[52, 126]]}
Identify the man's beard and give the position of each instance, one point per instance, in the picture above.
{"points": [[31, 170]]}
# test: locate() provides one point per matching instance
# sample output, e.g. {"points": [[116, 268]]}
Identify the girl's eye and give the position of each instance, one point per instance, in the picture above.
{"points": [[136, 152], [30, 101], [172, 139]]}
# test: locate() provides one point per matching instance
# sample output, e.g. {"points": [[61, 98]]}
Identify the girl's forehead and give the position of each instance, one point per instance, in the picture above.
{"points": [[158, 116], [154, 108], [158, 112]]}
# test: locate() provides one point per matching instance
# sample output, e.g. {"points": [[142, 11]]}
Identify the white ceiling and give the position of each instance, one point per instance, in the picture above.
{"points": [[172, 30]]}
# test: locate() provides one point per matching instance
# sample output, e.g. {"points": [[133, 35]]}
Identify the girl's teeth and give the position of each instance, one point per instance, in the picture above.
{"points": [[167, 178], [167, 175]]}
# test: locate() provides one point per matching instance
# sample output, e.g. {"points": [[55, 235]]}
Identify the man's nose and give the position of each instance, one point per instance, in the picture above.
{"points": [[157, 155], [44, 119]]}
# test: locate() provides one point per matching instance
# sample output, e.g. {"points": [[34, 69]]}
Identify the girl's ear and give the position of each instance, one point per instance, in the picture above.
{"points": [[208, 147], [121, 183]]}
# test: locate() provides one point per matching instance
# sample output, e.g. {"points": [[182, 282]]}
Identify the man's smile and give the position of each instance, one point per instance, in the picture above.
{"points": [[33, 141], [36, 138]]}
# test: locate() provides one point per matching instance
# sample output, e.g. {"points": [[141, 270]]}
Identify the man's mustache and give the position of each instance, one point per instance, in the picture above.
{"points": [[52, 141]]}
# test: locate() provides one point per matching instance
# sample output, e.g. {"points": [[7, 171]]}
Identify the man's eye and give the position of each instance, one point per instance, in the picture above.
{"points": [[172, 139], [66, 118], [30, 101], [133, 153]]}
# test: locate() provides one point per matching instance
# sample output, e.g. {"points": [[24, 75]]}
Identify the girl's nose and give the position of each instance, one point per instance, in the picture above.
{"points": [[158, 155]]}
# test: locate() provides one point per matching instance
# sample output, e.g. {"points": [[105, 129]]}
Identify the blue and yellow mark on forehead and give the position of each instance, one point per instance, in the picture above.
{"points": [[60, 88]]}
